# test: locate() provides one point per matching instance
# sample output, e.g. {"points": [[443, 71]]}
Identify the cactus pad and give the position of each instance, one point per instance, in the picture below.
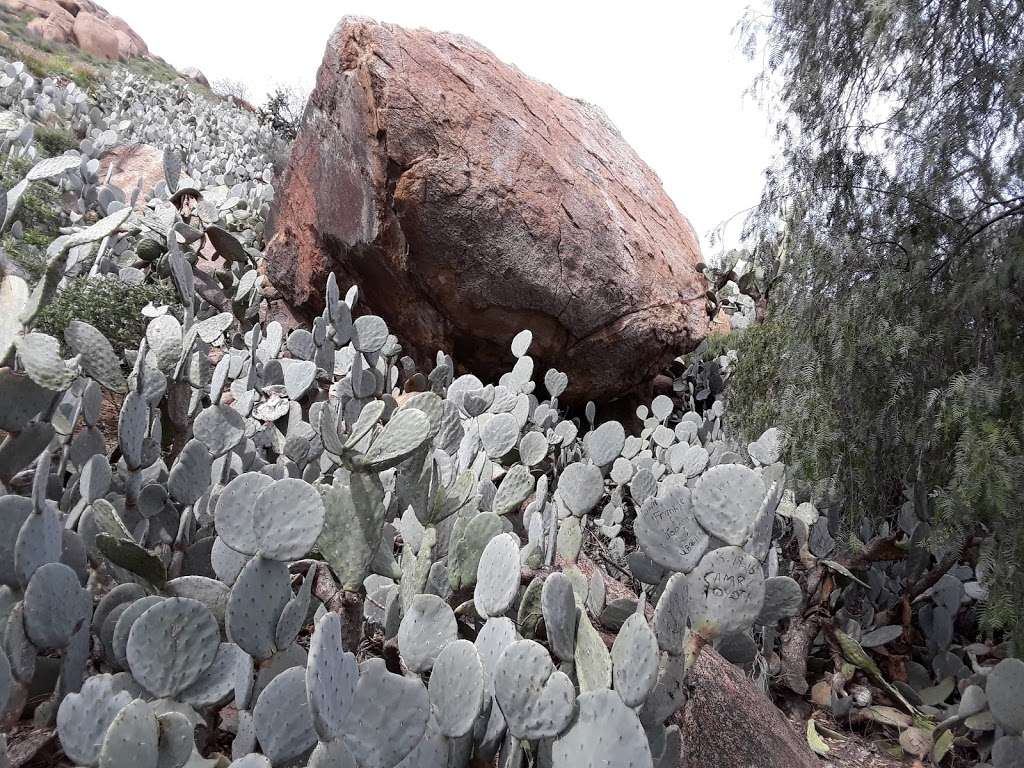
{"points": [[726, 592], [558, 604], [331, 676], [580, 487], [427, 627], [457, 688], [132, 740], [634, 661], [536, 700], [497, 576], [284, 725], [83, 718], [387, 718], [258, 596], [726, 501], [172, 644], [605, 733]]}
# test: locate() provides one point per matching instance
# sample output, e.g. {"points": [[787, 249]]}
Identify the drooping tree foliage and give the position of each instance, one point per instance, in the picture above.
{"points": [[890, 235]]}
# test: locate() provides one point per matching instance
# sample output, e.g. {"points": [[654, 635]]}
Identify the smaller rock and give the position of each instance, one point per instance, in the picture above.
{"points": [[48, 30], [194, 74], [41, 8], [136, 45], [132, 163], [95, 36], [720, 324]]}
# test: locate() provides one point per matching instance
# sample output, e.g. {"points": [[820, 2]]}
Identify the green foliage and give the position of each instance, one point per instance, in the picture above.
{"points": [[891, 235], [109, 304], [55, 140], [40, 216], [283, 112]]}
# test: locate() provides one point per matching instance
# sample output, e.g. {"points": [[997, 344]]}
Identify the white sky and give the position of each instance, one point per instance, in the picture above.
{"points": [[669, 75]]}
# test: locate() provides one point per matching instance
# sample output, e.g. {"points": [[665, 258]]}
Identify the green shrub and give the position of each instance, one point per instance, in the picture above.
{"points": [[109, 304], [55, 140]]}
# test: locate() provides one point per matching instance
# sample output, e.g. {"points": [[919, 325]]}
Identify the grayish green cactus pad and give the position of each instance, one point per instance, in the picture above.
{"points": [[669, 693], [231, 666], [782, 599], [634, 660], [593, 662], [499, 435], [387, 718], [284, 725], [176, 741], [581, 487], [726, 592], [83, 717], [457, 688], [536, 699], [427, 627], [123, 627], [1005, 690], [38, 542], [219, 428], [234, 512], [331, 676], [14, 511], [515, 486], [467, 546], [605, 734], [190, 476], [353, 525], [294, 613], [257, 598], [726, 501], [497, 576], [668, 532], [132, 740], [172, 644], [287, 518], [605, 443], [671, 614], [330, 754], [493, 638], [558, 604]]}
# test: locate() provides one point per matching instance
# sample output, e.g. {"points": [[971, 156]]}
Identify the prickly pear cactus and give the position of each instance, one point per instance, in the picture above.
{"points": [[327, 557]]}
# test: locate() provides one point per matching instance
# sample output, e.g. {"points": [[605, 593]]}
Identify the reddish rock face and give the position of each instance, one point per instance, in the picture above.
{"points": [[469, 201], [49, 29], [134, 165], [96, 36]]}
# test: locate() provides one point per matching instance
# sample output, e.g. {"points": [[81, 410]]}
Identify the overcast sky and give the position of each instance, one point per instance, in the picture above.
{"points": [[671, 78]]}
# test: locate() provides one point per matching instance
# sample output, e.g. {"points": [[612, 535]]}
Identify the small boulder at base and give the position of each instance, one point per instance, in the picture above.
{"points": [[728, 722], [96, 36], [469, 201]]}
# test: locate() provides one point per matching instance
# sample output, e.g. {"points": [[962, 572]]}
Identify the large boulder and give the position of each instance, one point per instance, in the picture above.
{"points": [[97, 37], [469, 201]]}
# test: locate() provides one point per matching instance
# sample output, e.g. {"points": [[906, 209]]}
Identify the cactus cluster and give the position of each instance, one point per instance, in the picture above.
{"points": [[335, 558]]}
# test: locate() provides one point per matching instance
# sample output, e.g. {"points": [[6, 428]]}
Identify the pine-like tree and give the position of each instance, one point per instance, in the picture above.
{"points": [[891, 233]]}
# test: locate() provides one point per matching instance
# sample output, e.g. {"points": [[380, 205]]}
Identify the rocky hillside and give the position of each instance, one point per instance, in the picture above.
{"points": [[233, 535], [79, 40]]}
